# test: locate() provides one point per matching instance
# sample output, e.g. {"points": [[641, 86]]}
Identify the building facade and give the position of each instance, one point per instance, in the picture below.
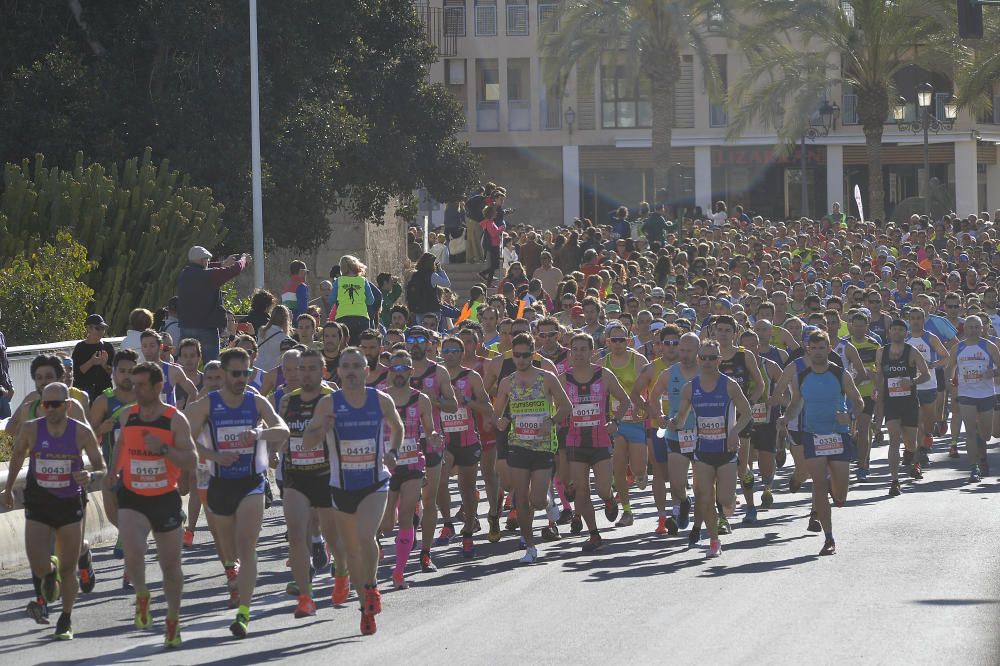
{"points": [[585, 150]]}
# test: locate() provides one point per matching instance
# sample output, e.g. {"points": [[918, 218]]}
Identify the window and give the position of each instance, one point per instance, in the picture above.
{"points": [[715, 18], [717, 116], [486, 18], [454, 17], [487, 95], [454, 77], [625, 101], [684, 94], [517, 18], [548, 18], [518, 94], [550, 108]]}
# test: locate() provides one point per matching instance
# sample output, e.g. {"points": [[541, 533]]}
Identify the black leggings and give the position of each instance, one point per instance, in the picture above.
{"points": [[493, 254]]}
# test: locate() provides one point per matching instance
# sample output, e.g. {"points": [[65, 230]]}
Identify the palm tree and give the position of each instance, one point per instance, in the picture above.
{"points": [[647, 37], [798, 51], [976, 76]]}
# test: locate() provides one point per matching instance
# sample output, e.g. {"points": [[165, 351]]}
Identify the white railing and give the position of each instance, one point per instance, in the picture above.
{"points": [[20, 363]]}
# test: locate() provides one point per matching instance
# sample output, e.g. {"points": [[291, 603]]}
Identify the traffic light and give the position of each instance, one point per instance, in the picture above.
{"points": [[970, 19]]}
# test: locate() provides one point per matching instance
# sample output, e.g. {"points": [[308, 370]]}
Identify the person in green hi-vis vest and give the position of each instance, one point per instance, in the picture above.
{"points": [[351, 295]]}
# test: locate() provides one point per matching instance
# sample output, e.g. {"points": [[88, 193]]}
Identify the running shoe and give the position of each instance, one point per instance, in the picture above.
{"points": [[915, 471], [188, 538], [576, 525], [368, 626], [780, 458], [766, 499], [661, 525], [551, 533], [611, 510], [399, 581], [923, 456], [714, 549], [814, 524], [829, 548], [373, 600], [142, 618], [953, 450], [530, 555], [88, 578], [494, 534], [64, 628], [292, 589], [683, 519], [512, 520], [594, 543], [117, 551], [268, 495], [508, 502], [894, 489], [672, 526], [975, 476], [172, 634], [641, 482], [747, 480], [241, 625], [793, 485], [320, 558], [694, 536], [861, 474], [750, 517], [38, 610], [305, 607], [341, 589], [468, 547], [552, 512], [521, 543], [426, 563], [445, 537], [52, 581], [626, 520], [565, 517], [232, 586], [724, 527]]}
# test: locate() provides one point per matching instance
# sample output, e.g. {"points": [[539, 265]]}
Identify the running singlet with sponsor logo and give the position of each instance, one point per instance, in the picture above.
{"points": [[715, 414], [589, 414], [626, 375], [528, 407], [143, 472], [923, 345], [975, 370], [428, 383], [460, 428], [54, 459], [358, 443], [687, 435], [410, 455], [897, 373], [228, 423], [298, 415]]}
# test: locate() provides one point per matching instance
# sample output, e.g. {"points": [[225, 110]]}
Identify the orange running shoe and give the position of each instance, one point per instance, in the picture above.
{"points": [[373, 600], [188, 538], [368, 626], [341, 589], [142, 619], [661, 525], [306, 606]]}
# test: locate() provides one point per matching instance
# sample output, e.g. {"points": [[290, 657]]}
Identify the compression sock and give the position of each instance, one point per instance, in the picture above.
{"points": [[626, 506], [404, 544], [244, 610], [561, 491]]}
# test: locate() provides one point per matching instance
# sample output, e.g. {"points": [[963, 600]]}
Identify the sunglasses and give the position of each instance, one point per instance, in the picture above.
{"points": [[617, 339], [452, 350], [416, 340], [671, 343], [53, 404], [522, 354], [547, 334], [708, 357], [237, 374], [401, 367]]}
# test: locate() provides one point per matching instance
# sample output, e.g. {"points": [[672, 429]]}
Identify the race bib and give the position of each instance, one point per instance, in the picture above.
{"points": [[899, 387], [148, 474], [301, 456], [409, 452], [586, 415], [759, 412], [828, 445], [229, 440], [972, 376], [203, 474], [528, 426], [357, 454], [687, 440], [630, 413], [712, 427], [54, 473], [457, 422]]}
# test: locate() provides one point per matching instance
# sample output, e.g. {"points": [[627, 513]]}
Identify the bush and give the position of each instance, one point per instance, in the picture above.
{"points": [[42, 296]]}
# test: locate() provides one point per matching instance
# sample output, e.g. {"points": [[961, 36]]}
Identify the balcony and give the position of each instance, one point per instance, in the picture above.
{"points": [[445, 41], [488, 116], [518, 115]]}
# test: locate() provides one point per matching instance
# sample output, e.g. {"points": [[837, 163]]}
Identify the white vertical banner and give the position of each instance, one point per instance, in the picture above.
{"points": [[427, 226], [857, 200]]}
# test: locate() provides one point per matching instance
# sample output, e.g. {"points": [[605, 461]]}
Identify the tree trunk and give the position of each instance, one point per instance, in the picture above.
{"points": [[663, 69], [873, 107]]}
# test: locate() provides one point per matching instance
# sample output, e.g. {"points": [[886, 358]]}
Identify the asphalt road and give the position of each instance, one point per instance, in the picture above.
{"points": [[916, 580]]}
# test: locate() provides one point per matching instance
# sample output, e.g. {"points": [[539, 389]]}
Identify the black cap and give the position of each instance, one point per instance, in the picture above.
{"points": [[96, 320]]}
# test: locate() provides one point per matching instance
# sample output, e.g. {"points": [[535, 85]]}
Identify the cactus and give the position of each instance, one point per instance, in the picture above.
{"points": [[137, 222]]}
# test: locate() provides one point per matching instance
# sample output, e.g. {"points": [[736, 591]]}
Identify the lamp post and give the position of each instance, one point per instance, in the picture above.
{"points": [[570, 118], [258, 222], [828, 118], [927, 123]]}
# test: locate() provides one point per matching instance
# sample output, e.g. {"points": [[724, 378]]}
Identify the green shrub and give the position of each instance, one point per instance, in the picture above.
{"points": [[6, 446], [42, 295]]}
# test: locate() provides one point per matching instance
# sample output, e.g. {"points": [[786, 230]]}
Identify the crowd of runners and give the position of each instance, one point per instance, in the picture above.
{"points": [[695, 358]]}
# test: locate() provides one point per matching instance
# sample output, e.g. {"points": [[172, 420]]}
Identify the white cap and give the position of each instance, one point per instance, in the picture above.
{"points": [[197, 253]]}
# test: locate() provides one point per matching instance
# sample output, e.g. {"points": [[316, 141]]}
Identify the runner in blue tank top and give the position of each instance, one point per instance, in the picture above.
{"points": [[716, 399], [361, 462], [238, 457], [818, 398]]}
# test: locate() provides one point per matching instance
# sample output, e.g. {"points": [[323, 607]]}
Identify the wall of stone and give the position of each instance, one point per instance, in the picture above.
{"points": [[533, 179]]}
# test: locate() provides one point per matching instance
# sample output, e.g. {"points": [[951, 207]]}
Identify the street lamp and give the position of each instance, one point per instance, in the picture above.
{"points": [[570, 118], [927, 123], [828, 114]]}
